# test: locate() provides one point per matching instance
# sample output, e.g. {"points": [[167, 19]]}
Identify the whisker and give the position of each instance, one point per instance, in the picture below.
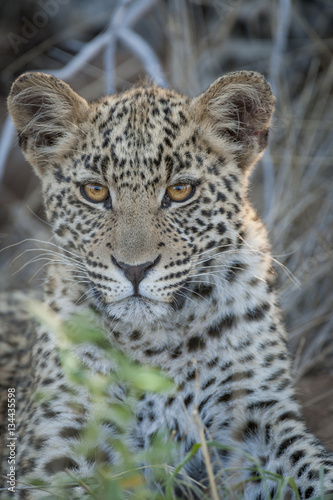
{"points": [[185, 295], [196, 293], [37, 259], [48, 252], [35, 240], [213, 249], [215, 284], [85, 296], [39, 218], [38, 271], [283, 267]]}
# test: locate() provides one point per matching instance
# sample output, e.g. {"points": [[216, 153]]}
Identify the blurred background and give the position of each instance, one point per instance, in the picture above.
{"points": [[105, 46]]}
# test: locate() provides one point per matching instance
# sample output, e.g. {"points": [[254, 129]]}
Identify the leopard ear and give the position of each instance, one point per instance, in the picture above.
{"points": [[237, 107], [45, 111]]}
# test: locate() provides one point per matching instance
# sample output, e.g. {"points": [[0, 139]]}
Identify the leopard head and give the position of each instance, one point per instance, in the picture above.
{"points": [[147, 186]]}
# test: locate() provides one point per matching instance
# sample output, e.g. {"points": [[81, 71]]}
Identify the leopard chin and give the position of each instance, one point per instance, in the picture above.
{"points": [[138, 310]]}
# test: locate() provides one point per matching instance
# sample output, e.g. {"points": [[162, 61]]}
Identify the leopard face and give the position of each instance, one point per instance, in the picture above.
{"points": [[146, 188]]}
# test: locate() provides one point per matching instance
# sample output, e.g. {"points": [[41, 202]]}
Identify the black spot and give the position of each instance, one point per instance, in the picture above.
{"points": [[188, 400], [176, 352], [212, 363], [48, 413], [251, 429], [303, 469], [191, 375], [47, 381], [227, 380], [39, 443], [139, 442], [267, 433], [221, 228], [275, 375], [234, 269], [204, 402], [243, 345], [208, 383], [59, 464], [286, 443], [295, 457], [211, 244], [225, 323], [226, 365], [152, 352], [272, 492], [135, 335], [225, 398], [224, 425], [203, 290], [221, 197], [329, 463], [70, 432], [268, 360], [313, 475], [309, 492], [209, 422], [289, 415], [262, 404], [195, 343], [97, 455], [214, 331], [227, 184], [257, 313]]}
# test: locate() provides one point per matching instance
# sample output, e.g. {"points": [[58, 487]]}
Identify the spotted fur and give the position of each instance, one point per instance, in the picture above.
{"points": [[204, 303]]}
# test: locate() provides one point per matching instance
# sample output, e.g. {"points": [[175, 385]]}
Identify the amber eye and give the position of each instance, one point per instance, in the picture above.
{"points": [[94, 192], [180, 192]]}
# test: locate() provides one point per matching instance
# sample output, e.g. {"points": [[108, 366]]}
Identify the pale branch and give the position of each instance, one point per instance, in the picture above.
{"points": [[125, 15], [279, 46]]}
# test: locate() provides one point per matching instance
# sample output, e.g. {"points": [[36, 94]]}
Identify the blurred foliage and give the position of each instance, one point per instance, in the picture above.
{"points": [[145, 474], [129, 475]]}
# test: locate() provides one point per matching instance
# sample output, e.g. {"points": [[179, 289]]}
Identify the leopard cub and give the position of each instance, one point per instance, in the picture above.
{"points": [[146, 193]]}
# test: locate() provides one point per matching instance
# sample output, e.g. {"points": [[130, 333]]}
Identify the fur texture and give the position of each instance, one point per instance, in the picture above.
{"points": [[205, 301]]}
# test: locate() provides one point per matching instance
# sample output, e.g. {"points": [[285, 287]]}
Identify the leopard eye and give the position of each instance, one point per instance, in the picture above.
{"points": [[94, 192], [180, 192]]}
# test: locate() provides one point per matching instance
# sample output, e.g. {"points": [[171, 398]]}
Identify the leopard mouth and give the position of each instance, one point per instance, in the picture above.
{"points": [[134, 308], [138, 307], [136, 300]]}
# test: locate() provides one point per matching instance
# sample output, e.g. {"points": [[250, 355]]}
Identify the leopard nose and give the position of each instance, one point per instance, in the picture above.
{"points": [[135, 274]]}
